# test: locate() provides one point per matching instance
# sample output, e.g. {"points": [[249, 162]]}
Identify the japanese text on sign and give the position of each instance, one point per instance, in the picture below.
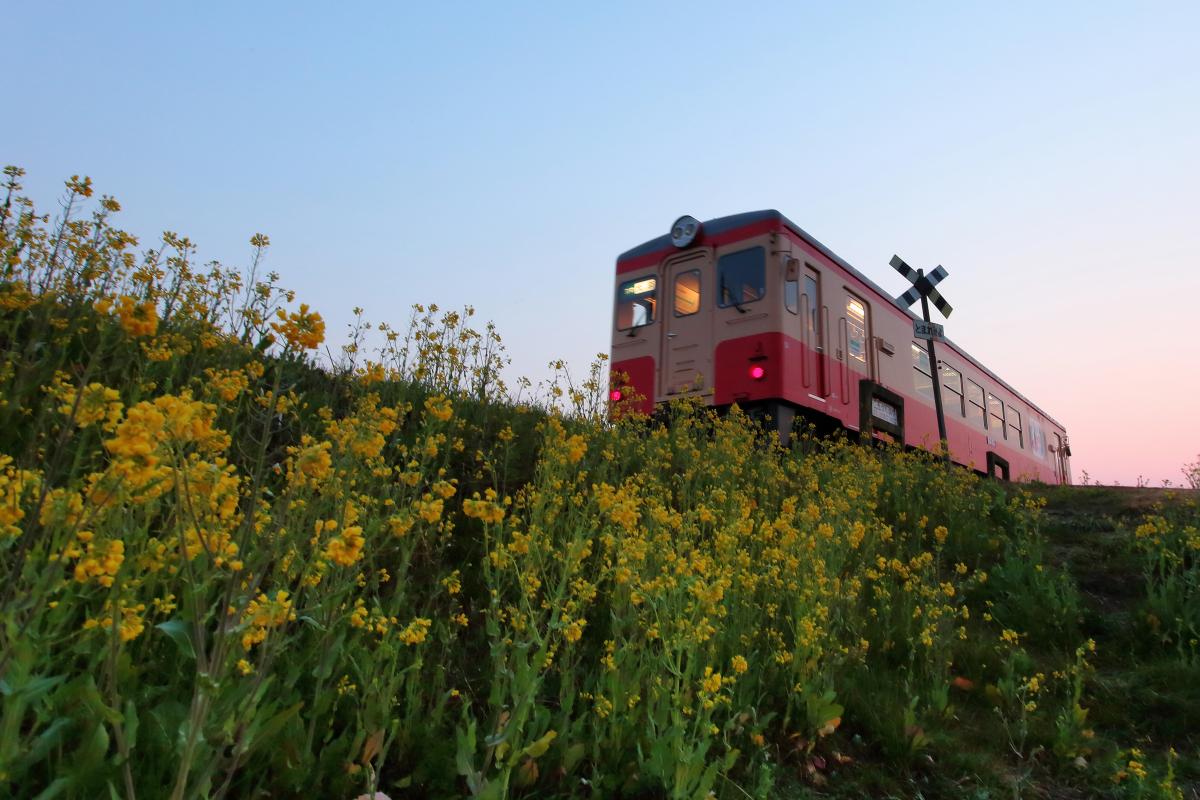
{"points": [[928, 330]]}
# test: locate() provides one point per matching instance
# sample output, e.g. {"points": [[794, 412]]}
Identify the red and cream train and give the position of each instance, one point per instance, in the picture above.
{"points": [[750, 309]]}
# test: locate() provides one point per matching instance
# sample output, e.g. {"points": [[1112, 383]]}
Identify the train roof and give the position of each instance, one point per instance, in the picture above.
{"points": [[773, 218]]}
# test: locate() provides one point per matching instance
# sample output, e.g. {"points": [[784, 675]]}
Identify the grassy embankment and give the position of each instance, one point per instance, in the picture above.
{"points": [[226, 572]]}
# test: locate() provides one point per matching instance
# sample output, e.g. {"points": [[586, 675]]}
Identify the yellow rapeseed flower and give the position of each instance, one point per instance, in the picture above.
{"points": [[347, 548], [439, 408], [138, 319], [416, 631], [303, 329]]}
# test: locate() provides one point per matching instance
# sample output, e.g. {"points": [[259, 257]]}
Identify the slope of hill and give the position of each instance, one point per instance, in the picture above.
{"points": [[231, 573]]}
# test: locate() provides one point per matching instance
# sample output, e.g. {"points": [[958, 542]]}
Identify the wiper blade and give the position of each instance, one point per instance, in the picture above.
{"points": [[726, 293]]}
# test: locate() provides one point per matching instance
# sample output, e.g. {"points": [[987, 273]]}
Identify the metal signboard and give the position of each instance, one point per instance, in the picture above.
{"points": [[928, 330], [884, 411]]}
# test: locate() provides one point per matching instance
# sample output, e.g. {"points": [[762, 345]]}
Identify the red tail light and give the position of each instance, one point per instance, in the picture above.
{"points": [[757, 372], [615, 395]]}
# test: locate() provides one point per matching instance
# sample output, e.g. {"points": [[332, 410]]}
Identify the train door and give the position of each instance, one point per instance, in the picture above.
{"points": [[689, 339], [854, 331], [812, 332]]}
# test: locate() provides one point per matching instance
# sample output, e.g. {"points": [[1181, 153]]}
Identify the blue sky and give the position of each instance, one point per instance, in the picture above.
{"points": [[502, 156]]}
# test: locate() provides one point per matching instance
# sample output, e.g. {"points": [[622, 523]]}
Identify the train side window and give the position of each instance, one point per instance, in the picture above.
{"points": [[636, 302], [856, 329], [1037, 437], [922, 375], [814, 304], [996, 415], [791, 295], [741, 277], [1014, 424], [687, 293], [952, 389], [975, 409]]}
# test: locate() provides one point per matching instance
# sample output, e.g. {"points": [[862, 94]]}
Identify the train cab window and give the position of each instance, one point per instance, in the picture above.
{"points": [[975, 409], [687, 293], [922, 375], [996, 416], [636, 302], [741, 277], [791, 295], [952, 390], [1014, 425], [856, 329]]}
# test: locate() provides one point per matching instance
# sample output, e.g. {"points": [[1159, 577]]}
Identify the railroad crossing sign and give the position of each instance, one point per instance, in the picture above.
{"points": [[922, 289], [922, 285]]}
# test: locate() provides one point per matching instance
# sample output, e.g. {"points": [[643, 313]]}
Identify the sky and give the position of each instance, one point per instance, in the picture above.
{"points": [[502, 155]]}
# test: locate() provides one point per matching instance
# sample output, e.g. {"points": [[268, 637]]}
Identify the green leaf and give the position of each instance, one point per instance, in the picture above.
{"points": [[47, 740], [272, 726], [491, 791], [90, 695], [330, 658], [573, 756], [539, 748], [54, 789], [706, 781], [92, 752], [178, 631], [464, 758], [163, 725], [131, 724], [312, 623], [37, 687]]}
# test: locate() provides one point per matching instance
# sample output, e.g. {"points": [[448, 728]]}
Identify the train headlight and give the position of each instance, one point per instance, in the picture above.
{"points": [[684, 231]]}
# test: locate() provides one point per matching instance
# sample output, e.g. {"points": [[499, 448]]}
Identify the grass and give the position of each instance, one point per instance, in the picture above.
{"points": [[1138, 694]]}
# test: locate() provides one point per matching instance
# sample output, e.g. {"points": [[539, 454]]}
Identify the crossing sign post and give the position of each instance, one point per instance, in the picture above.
{"points": [[923, 289]]}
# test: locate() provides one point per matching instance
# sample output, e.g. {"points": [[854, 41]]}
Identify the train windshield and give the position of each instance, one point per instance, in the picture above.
{"points": [[636, 302], [742, 277]]}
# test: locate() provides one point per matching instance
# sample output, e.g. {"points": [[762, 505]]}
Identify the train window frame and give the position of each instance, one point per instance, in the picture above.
{"points": [[726, 264], [675, 293], [860, 324], [946, 387], [651, 295], [1016, 426], [791, 294], [972, 388], [921, 355], [812, 321], [992, 398]]}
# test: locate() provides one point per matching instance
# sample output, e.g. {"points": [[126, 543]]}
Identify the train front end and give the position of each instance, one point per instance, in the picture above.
{"points": [[692, 316]]}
